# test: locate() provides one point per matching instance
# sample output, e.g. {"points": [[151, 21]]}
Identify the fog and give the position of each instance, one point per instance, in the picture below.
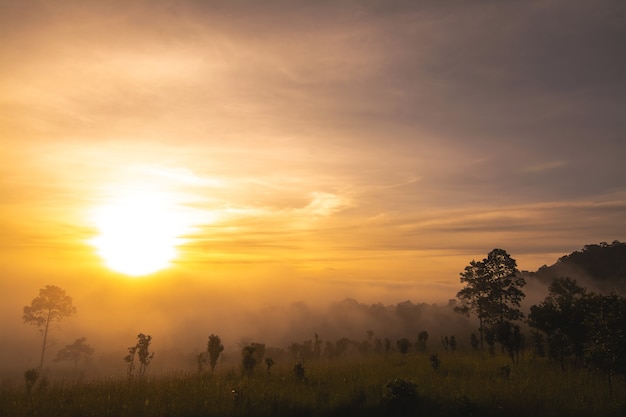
{"points": [[180, 310], [180, 315]]}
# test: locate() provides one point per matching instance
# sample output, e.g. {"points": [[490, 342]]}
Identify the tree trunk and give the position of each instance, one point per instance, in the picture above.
{"points": [[45, 337], [480, 319]]}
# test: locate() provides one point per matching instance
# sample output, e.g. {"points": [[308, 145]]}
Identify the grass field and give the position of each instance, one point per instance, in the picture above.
{"points": [[464, 385]]}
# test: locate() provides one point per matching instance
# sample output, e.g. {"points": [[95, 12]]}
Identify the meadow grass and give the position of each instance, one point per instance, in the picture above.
{"points": [[464, 385]]}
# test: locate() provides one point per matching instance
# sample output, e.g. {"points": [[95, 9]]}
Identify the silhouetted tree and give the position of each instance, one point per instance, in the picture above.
{"points": [[298, 371], [31, 376], [52, 305], [341, 346], [474, 342], [561, 318], [259, 351], [452, 343], [387, 344], [248, 359], [130, 361], [269, 362], [435, 362], [605, 348], [142, 351], [510, 338], [422, 338], [474, 296], [200, 361], [317, 347], [214, 348], [445, 342], [76, 352], [506, 287], [538, 343], [404, 345], [492, 291], [490, 339]]}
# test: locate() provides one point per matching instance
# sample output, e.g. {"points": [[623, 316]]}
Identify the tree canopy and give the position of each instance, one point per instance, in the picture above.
{"points": [[492, 292], [52, 305]]}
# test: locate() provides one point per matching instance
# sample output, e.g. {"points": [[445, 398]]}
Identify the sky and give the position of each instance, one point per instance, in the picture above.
{"points": [[308, 151]]}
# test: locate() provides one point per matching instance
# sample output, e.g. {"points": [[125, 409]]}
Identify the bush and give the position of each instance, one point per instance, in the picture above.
{"points": [[31, 376], [505, 371], [298, 371], [435, 362], [400, 395]]}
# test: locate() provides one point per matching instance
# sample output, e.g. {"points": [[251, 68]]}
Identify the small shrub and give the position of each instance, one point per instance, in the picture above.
{"points": [[200, 361], [505, 371], [435, 362], [404, 345], [422, 338], [31, 376], [400, 395], [461, 406], [214, 349], [248, 360], [474, 342], [452, 343], [298, 371], [445, 342], [142, 350]]}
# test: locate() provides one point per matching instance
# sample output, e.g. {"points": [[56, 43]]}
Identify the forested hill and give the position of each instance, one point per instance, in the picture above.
{"points": [[600, 267]]}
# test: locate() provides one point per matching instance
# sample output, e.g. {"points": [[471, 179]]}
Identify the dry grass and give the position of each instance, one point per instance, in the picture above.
{"points": [[465, 384]]}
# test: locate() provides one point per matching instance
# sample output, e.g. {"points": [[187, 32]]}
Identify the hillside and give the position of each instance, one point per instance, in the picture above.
{"points": [[600, 267]]}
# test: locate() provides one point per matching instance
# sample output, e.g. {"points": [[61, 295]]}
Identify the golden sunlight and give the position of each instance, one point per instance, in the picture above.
{"points": [[138, 234]]}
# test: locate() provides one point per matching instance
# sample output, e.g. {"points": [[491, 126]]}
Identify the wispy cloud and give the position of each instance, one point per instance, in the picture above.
{"points": [[547, 166], [361, 136]]}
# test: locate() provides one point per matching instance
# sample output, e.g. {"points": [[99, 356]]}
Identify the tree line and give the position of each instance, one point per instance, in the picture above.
{"points": [[571, 323]]}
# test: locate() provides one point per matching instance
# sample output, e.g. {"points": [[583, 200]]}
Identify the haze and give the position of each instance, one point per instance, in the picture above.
{"points": [[315, 150]]}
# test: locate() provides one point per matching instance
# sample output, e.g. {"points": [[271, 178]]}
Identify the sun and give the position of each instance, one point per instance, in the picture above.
{"points": [[138, 234]]}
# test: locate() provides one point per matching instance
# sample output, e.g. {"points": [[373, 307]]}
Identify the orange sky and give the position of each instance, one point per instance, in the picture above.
{"points": [[311, 151]]}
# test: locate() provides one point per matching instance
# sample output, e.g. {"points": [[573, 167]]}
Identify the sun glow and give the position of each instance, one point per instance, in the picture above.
{"points": [[139, 234]]}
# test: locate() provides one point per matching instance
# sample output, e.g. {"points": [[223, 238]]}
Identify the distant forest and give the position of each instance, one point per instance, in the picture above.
{"points": [[599, 266]]}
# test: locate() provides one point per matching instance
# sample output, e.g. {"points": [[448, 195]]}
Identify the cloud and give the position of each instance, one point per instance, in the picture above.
{"points": [[547, 166], [324, 204], [372, 138], [182, 175]]}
